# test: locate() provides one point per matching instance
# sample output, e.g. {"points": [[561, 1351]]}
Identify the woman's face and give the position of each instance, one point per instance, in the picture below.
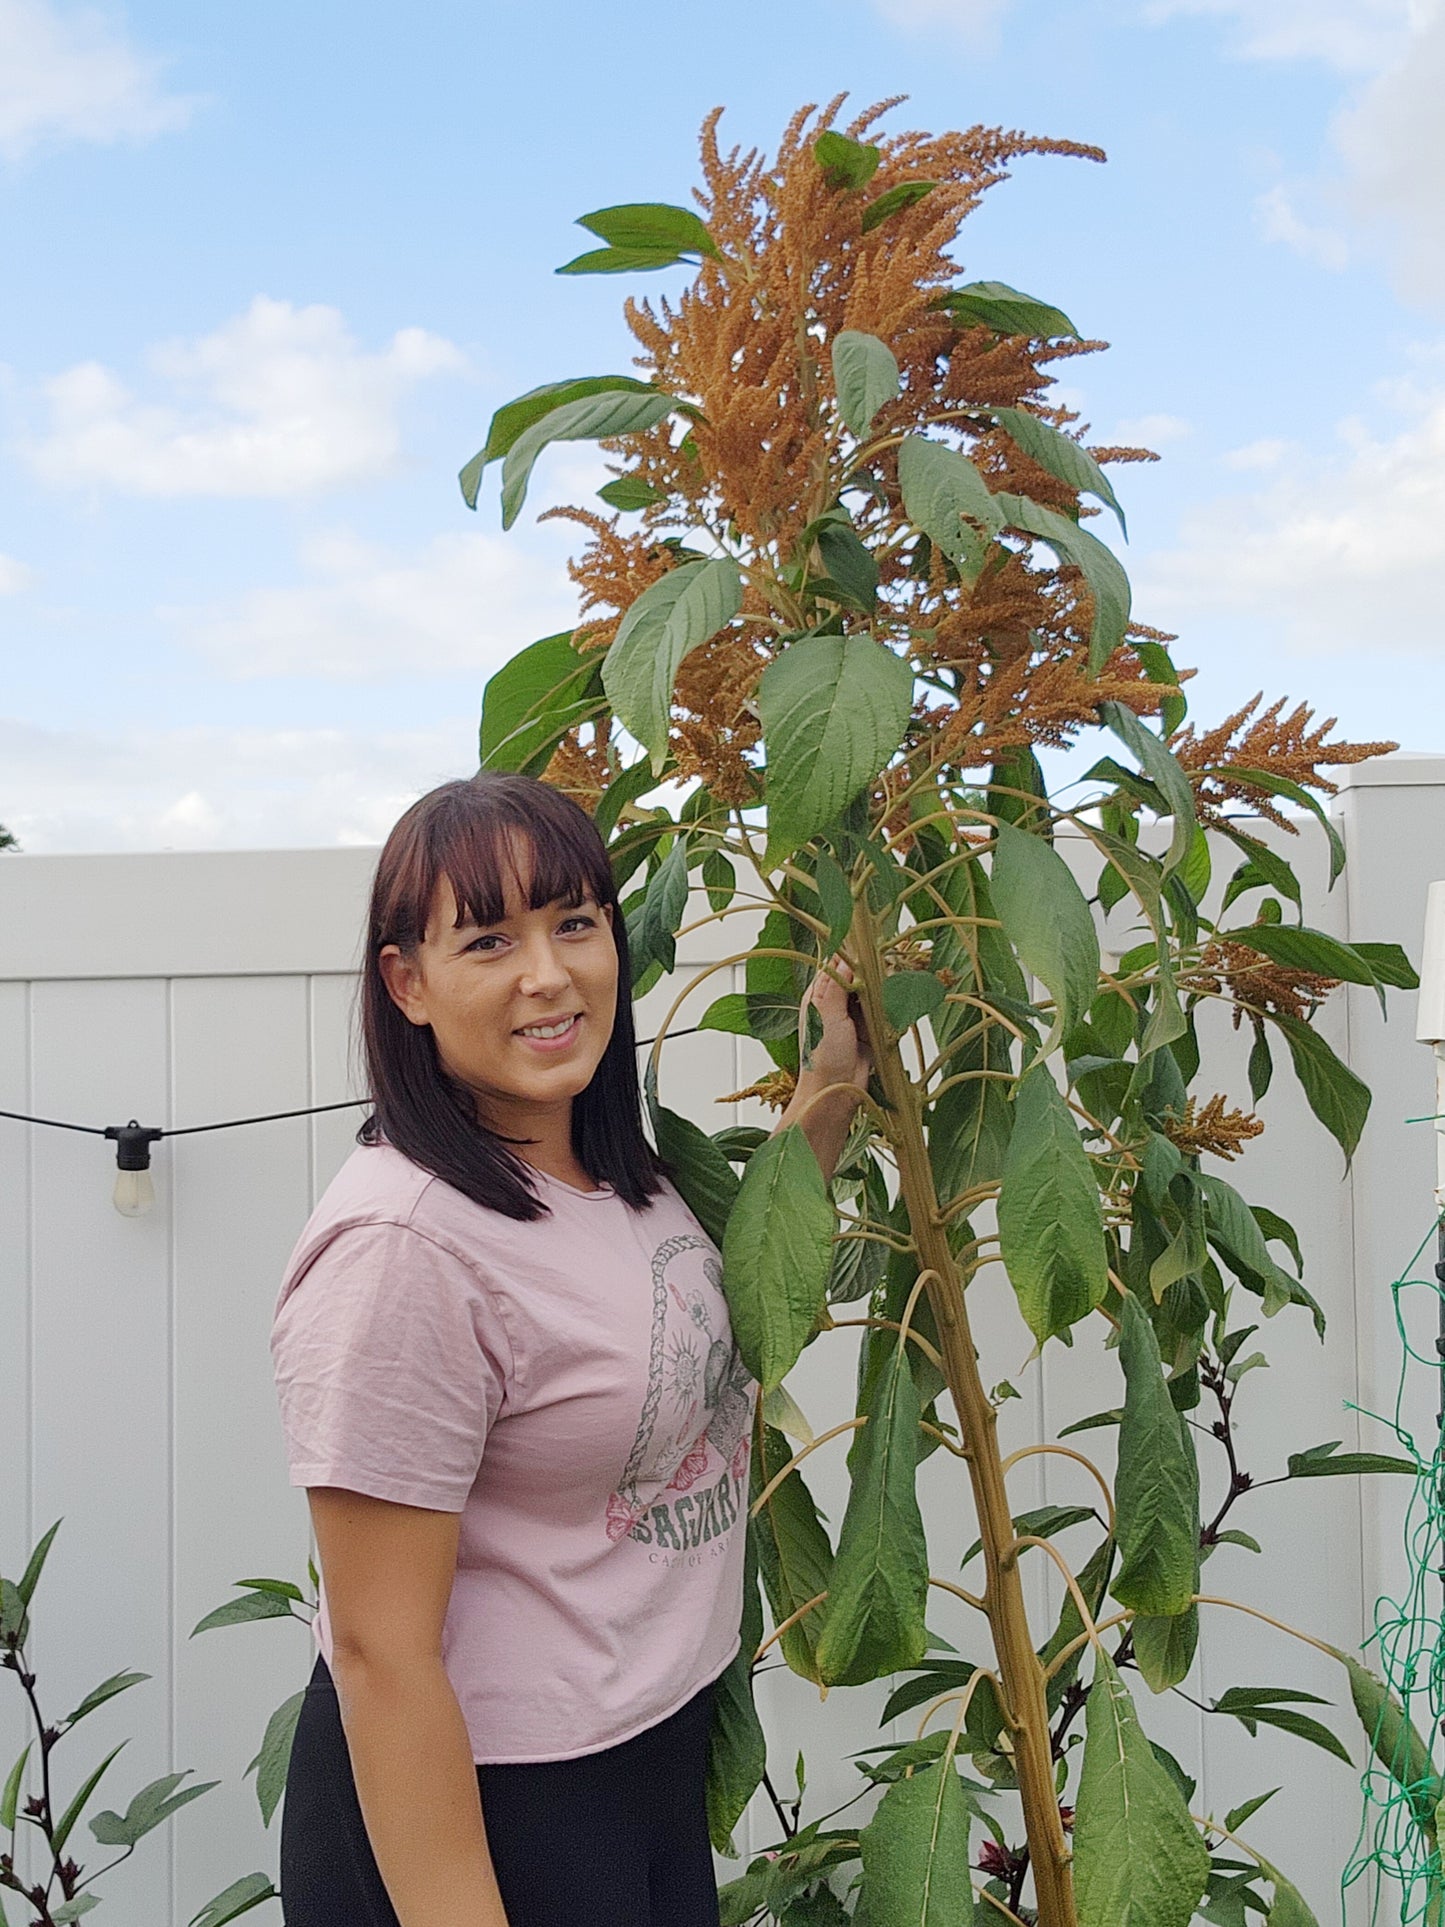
{"points": [[521, 1010]]}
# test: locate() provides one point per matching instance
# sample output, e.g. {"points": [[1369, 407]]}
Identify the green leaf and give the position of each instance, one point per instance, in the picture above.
{"points": [[1328, 1462], [1237, 1816], [1256, 1706], [1395, 1742], [98, 1695], [776, 1254], [275, 1755], [994, 304], [1065, 459], [849, 563], [708, 1183], [846, 164], [729, 1013], [10, 1796], [1390, 965], [835, 895], [1298, 947], [1287, 1909], [509, 422], [73, 1811], [874, 1613], [1164, 1647], [1234, 1231], [1138, 1859], [620, 261], [1156, 1488], [1337, 1097], [633, 783], [719, 880], [1047, 920], [651, 224], [906, 194], [534, 699], [652, 926], [1263, 868], [1044, 1522], [1100, 567], [238, 1612], [30, 1578], [834, 709], [1162, 767], [687, 606], [592, 418], [237, 1899], [940, 487], [865, 376], [1274, 784], [737, 1753], [915, 1853], [794, 1556], [1051, 1227], [629, 492], [152, 1805], [73, 1909], [911, 995]]}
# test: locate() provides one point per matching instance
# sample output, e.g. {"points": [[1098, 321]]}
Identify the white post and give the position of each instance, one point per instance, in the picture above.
{"points": [[1430, 1019]]}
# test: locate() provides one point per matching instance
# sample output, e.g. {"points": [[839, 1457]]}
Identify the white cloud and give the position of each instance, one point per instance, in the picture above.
{"points": [[978, 20], [1150, 431], [1393, 143], [279, 401], [67, 75], [466, 602], [1343, 552], [14, 576], [1265, 453], [192, 789], [1278, 221], [1353, 35]]}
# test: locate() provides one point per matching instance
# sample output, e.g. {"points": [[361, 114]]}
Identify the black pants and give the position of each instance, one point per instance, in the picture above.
{"points": [[616, 1839]]}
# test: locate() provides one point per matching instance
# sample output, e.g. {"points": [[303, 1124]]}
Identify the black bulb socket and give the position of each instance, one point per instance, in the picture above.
{"points": [[133, 1143]]}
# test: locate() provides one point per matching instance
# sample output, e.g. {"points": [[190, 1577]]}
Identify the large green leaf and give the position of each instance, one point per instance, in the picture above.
{"points": [[620, 261], [1100, 567], [35, 1565], [1050, 1223], [708, 1183], [274, 1759], [850, 563], [737, 1754], [534, 699], [652, 926], [794, 1556], [1156, 1488], [10, 1793], [1395, 1742], [1273, 784], [915, 1853], [1162, 767], [846, 164], [1287, 1908], [98, 1695], [1297, 947], [152, 1805], [1234, 1231], [940, 488], [1256, 1706], [874, 1613], [777, 1250], [66, 1823], [1047, 920], [1329, 1462], [906, 194], [592, 418], [510, 421], [1138, 1859], [865, 376], [970, 1122], [1164, 1647], [994, 304], [650, 224], [1064, 458], [1337, 1097], [834, 709], [685, 607]]}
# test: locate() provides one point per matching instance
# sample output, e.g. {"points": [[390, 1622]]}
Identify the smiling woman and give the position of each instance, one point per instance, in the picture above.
{"points": [[509, 1383]]}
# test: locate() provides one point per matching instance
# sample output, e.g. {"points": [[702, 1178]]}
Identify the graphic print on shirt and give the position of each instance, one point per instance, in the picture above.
{"points": [[696, 1412]]}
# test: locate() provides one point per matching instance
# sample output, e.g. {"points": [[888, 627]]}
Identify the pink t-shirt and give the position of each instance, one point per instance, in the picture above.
{"points": [[571, 1387]]}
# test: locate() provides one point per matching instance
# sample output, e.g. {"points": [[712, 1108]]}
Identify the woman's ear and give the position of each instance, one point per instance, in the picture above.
{"points": [[403, 979]]}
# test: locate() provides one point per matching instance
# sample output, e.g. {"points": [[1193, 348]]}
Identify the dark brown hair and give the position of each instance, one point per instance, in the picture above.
{"points": [[461, 831]]}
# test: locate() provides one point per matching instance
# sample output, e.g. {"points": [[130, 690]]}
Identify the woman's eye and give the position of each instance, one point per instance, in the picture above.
{"points": [[579, 923], [484, 944]]}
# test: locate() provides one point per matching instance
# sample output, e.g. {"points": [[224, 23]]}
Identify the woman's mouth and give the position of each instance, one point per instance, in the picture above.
{"points": [[555, 1036]]}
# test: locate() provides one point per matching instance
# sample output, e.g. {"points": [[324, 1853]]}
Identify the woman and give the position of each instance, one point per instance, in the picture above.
{"points": [[508, 1383]]}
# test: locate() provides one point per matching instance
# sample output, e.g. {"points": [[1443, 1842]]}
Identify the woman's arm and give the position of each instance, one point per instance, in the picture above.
{"points": [[388, 1572], [840, 1058]]}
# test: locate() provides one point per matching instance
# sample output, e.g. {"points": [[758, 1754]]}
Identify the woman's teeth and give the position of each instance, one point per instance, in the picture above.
{"points": [[548, 1030]]}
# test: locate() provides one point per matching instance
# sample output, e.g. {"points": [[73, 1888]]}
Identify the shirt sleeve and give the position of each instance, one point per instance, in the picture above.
{"points": [[391, 1366]]}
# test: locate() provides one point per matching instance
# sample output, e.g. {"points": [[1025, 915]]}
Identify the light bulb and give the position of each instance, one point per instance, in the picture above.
{"points": [[134, 1193]]}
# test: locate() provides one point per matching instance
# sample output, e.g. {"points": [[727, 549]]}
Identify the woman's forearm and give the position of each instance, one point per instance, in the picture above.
{"points": [[417, 1784], [825, 1115]]}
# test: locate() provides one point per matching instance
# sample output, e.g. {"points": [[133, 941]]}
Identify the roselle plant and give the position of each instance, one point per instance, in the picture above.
{"points": [[846, 592], [66, 1892]]}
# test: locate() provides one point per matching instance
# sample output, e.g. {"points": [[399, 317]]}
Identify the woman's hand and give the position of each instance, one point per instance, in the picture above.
{"points": [[823, 1103]]}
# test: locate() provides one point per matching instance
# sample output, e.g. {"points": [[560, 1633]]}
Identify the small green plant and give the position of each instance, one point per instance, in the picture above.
{"points": [[66, 1893], [269, 1599]]}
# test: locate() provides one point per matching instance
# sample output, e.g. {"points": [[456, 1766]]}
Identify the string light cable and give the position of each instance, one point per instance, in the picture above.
{"points": [[134, 1191]]}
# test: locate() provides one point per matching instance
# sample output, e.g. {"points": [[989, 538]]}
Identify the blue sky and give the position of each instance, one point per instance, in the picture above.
{"points": [[269, 271]]}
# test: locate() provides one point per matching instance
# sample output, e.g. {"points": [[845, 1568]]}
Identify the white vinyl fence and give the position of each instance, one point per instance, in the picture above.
{"points": [[135, 1391]]}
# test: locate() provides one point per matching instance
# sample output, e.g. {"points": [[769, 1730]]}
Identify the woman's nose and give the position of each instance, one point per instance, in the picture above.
{"points": [[543, 971]]}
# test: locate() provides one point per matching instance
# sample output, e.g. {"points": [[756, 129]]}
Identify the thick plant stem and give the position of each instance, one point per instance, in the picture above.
{"points": [[1020, 1672]]}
